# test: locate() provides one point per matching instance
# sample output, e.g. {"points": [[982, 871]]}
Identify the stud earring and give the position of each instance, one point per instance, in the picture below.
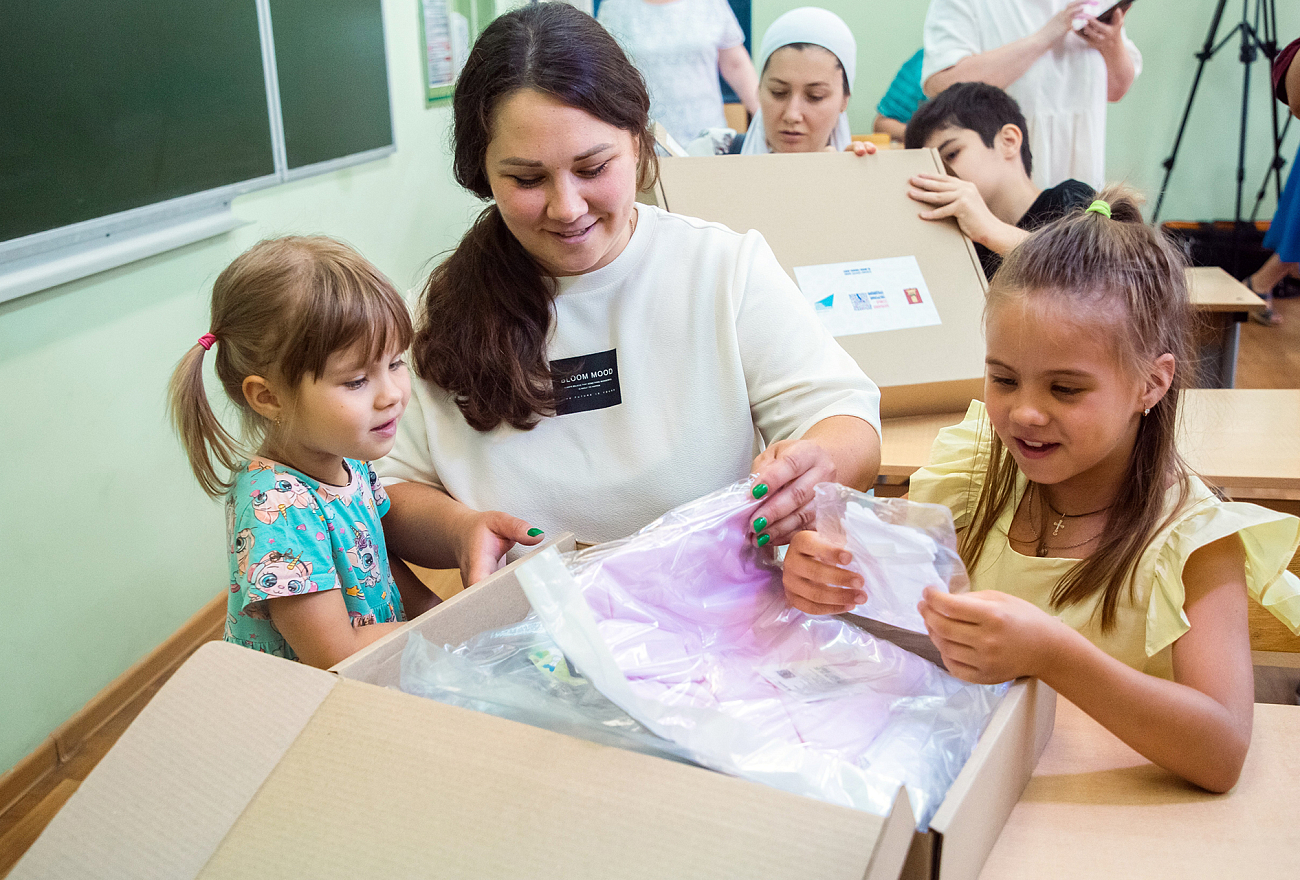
{"points": [[1145, 412]]}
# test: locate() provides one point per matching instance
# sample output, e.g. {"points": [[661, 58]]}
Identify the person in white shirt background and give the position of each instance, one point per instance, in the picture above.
{"points": [[1059, 62], [680, 47]]}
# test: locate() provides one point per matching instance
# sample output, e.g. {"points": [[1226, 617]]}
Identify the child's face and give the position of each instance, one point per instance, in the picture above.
{"points": [[1058, 396], [966, 157], [349, 411], [802, 97]]}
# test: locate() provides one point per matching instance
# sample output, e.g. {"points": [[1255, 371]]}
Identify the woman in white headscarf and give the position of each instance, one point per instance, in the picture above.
{"points": [[807, 62]]}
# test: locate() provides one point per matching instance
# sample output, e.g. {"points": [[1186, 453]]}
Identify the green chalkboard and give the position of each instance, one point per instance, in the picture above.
{"points": [[324, 55], [110, 105]]}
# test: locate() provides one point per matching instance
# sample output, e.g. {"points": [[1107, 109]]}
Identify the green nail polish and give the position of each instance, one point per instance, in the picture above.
{"points": [[534, 532], [760, 524], [763, 539], [760, 490]]}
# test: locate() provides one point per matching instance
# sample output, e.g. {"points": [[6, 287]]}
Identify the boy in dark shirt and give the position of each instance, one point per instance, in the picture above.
{"points": [[979, 132]]}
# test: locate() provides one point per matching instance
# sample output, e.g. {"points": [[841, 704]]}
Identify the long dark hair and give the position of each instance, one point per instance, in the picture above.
{"points": [[1123, 269], [486, 311]]}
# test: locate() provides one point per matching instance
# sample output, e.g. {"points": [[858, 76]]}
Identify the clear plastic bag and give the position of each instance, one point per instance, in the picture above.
{"points": [[899, 547], [518, 672], [684, 625]]}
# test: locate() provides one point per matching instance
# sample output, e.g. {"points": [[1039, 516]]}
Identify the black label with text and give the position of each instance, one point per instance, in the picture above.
{"points": [[587, 382]]}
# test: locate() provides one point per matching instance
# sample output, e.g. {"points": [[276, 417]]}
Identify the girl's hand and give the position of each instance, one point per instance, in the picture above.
{"points": [[788, 470], [988, 637], [861, 148], [814, 581], [486, 537]]}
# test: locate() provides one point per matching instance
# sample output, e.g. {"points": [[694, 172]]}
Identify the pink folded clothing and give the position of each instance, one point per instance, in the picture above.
{"points": [[684, 625]]}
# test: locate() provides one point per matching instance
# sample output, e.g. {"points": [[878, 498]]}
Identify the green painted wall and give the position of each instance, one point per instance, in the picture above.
{"points": [[108, 545], [1141, 128]]}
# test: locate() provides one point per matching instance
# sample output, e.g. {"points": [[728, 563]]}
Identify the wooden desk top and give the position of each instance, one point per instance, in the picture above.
{"points": [[1235, 437], [1213, 290], [1095, 808]]}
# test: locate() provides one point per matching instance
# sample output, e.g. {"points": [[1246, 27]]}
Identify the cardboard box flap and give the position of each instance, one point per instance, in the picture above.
{"points": [[816, 208], [162, 799], [471, 795], [976, 807]]}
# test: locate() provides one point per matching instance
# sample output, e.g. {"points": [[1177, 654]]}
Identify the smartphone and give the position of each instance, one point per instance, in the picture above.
{"points": [[1109, 15]]}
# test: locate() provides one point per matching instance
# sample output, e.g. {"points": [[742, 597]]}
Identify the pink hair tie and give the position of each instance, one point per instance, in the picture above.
{"points": [[206, 341]]}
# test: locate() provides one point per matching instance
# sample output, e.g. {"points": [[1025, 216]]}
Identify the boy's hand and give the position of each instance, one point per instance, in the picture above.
{"points": [[953, 197], [813, 579], [988, 637]]}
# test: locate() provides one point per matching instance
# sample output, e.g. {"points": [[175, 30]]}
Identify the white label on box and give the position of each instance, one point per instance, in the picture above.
{"points": [[868, 296]]}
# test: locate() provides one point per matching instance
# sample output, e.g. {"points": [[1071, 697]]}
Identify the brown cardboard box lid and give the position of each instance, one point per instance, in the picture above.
{"points": [[248, 765], [816, 208]]}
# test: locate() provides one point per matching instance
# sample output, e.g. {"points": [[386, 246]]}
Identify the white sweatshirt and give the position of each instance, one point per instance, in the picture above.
{"points": [[710, 339]]}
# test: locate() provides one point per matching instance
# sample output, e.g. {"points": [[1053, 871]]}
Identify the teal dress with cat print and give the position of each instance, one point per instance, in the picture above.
{"points": [[291, 534]]}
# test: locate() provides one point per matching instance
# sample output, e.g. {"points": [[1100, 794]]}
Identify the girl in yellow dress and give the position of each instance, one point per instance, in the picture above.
{"points": [[1098, 562]]}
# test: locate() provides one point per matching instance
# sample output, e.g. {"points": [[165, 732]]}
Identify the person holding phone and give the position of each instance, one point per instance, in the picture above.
{"points": [[1060, 61]]}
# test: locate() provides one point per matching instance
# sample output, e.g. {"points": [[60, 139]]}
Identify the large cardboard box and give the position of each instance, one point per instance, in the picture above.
{"points": [[816, 208], [247, 765]]}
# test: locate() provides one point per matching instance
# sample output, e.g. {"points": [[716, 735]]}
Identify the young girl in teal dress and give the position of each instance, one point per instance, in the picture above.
{"points": [[1098, 562], [308, 341]]}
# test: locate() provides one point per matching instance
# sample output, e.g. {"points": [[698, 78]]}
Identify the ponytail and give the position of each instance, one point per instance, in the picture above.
{"points": [[200, 432], [486, 316]]}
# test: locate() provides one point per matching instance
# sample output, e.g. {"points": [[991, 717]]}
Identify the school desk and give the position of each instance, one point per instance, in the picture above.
{"points": [[1222, 302], [1095, 808], [1246, 441]]}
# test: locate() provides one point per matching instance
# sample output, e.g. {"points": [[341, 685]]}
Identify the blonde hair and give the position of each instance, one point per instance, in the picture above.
{"points": [[279, 311], [1121, 273]]}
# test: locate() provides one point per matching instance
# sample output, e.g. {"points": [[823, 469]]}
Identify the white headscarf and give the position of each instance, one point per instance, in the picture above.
{"points": [[821, 27]]}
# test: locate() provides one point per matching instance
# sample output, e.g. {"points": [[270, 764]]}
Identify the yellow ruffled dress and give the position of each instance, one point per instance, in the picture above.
{"points": [[1150, 618]]}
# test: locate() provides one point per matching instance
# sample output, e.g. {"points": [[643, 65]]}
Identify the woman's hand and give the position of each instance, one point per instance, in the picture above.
{"points": [[1108, 39], [485, 537], [788, 470], [861, 148], [1063, 22], [988, 637], [814, 580]]}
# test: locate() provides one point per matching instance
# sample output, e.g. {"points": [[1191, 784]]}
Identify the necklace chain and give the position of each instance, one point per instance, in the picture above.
{"points": [[1042, 548]]}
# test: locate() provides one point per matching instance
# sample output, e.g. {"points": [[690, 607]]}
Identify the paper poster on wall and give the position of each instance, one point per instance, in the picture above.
{"points": [[868, 296], [446, 28]]}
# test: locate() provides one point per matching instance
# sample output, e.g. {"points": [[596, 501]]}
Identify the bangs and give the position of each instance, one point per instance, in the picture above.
{"points": [[345, 302]]}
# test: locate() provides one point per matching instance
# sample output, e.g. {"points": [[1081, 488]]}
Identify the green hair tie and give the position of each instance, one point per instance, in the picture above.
{"points": [[1100, 207]]}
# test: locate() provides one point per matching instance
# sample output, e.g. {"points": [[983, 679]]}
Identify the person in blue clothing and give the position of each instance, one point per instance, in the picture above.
{"points": [[901, 99], [309, 347]]}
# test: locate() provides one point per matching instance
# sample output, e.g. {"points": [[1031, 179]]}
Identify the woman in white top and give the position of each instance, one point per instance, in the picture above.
{"points": [[586, 363], [807, 62], [680, 47], [1060, 63]]}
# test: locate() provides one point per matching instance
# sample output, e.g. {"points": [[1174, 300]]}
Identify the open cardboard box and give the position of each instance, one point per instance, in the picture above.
{"points": [[816, 208], [245, 764]]}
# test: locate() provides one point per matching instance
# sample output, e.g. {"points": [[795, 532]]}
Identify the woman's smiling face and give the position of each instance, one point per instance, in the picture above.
{"points": [[564, 181], [802, 96]]}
